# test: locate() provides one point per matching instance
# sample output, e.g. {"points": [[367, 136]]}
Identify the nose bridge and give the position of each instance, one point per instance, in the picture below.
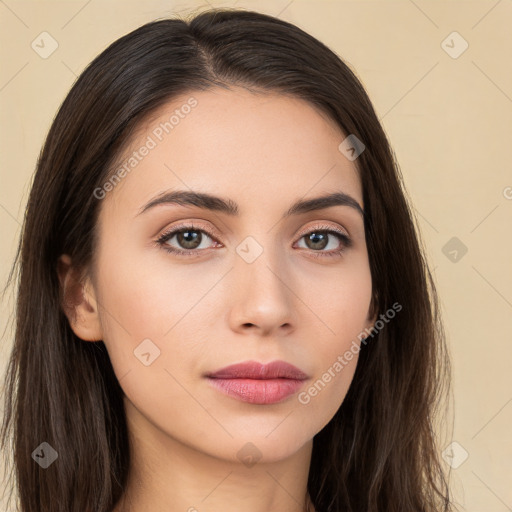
{"points": [[262, 297], [260, 263]]}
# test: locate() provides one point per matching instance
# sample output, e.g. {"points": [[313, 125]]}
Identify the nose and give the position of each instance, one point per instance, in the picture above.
{"points": [[262, 300]]}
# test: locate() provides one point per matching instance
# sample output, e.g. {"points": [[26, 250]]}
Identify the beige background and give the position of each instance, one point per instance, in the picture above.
{"points": [[449, 121]]}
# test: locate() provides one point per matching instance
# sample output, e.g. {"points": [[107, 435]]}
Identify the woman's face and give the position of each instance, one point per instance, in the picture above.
{"points": [[259, 283]]}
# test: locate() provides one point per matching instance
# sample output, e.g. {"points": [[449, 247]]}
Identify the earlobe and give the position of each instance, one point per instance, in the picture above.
{"points": [[78, 301]]}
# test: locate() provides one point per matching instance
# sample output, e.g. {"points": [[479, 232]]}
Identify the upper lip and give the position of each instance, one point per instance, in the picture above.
{"points": [[256, 370]]}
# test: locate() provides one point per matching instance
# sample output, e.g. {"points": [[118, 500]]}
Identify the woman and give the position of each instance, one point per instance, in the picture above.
{"points": [[223, 302]]}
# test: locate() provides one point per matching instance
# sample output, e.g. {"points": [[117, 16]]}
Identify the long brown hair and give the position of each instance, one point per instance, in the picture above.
{"points": [[379, 452]]}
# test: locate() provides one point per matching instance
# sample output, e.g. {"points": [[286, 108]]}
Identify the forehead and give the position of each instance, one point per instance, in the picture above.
{"points": [[264, 149]]}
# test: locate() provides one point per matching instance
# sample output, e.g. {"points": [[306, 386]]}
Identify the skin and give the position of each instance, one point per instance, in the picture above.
{"points": [[263, 151]]}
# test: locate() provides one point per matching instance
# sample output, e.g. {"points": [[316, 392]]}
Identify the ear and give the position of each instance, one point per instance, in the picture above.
{"points": [[78, 301]]}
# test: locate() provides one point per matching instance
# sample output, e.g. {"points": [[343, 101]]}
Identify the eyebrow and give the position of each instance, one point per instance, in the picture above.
{"points": [[229, 207]]}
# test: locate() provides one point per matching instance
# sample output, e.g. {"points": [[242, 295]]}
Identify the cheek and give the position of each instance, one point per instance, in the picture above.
{"points": [[339, 298], [341, 315], [336, 356], [156, 308], [145, 318], [148, 300], [325, 393]]}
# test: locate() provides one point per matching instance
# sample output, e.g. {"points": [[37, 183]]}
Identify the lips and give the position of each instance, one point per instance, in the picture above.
{"points": [[258, 371], [258, 383]]}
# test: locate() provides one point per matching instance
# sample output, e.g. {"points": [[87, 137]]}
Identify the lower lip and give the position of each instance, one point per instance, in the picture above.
{"points": [[264, 391]]}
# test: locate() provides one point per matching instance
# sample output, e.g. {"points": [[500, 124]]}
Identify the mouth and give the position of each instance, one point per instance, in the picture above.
{"points": [[258, 383]]}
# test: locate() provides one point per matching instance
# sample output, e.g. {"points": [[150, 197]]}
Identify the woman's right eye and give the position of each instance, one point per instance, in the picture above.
{"points": [[188, 238]]}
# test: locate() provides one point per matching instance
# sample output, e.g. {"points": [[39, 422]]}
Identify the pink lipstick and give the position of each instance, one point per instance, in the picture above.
{"points": [[258, 383]]}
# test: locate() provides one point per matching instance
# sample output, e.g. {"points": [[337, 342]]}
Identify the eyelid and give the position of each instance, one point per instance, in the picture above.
{"points": [[323, 227], [190, 225]]}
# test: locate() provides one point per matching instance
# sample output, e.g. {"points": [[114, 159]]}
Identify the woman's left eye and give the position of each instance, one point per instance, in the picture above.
{"points": [[319, 239], [190, 240]]}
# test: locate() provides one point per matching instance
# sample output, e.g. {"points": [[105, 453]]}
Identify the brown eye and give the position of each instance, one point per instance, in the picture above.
{"points": [[186, 239], [189, 239], [317, 240], [322, 238]]}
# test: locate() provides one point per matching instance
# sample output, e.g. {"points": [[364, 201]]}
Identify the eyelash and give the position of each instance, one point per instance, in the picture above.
{"points": [[346, 242]]}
